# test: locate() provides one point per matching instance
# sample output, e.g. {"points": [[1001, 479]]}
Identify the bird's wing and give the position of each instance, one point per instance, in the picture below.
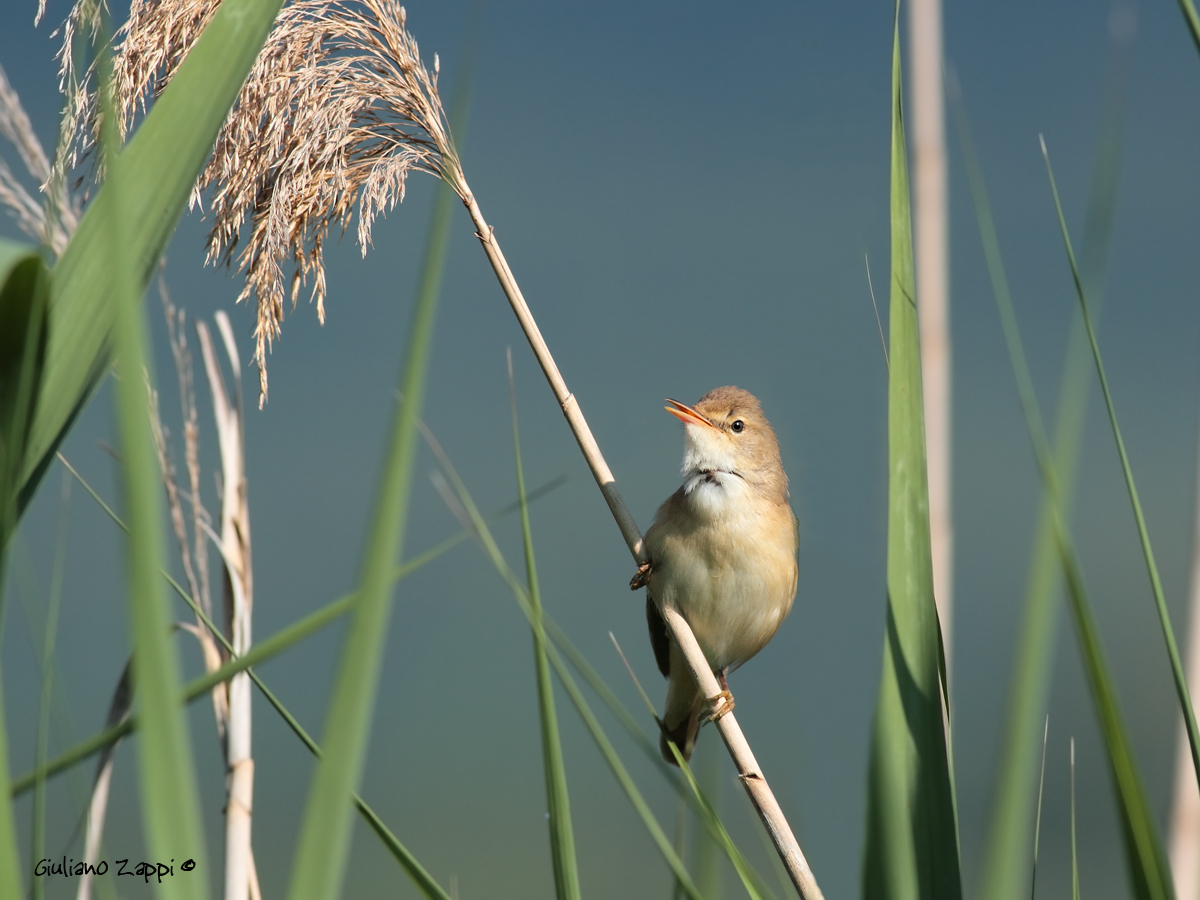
{"points": [[659, 639]]}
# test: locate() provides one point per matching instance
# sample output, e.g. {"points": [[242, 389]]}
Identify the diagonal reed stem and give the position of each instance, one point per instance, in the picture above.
{"points": [[749, 772]]}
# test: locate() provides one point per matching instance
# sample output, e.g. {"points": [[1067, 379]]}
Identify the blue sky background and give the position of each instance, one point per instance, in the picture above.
{"points": [[686, 193]]}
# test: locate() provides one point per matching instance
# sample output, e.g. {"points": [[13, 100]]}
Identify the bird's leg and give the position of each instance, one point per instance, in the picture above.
{"points": [[641, 578], [720, 704]]}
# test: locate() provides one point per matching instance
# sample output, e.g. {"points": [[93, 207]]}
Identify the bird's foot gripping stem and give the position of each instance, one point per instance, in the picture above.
{"points": [[641, 578], [717, 706]]}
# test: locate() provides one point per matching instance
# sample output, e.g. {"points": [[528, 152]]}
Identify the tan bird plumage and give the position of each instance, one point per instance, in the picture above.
{"points": [[722, 550]]}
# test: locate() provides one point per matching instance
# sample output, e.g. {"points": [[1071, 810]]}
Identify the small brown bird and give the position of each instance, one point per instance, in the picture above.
{"points": [[722, 550]]}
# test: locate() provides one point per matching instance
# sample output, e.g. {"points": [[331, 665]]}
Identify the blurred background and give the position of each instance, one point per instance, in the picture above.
{"points": [[686, 193]]}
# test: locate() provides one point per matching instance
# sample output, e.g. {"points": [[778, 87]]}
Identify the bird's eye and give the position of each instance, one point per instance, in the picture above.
{"points": [[738, 426]]}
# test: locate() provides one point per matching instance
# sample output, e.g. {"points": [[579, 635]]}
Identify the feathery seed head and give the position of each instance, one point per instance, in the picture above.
{"points": [[335, 113]]}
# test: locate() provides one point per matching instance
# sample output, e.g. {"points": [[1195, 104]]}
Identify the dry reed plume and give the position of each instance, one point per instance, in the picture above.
{"points": [[336, 113], [50, 223]]}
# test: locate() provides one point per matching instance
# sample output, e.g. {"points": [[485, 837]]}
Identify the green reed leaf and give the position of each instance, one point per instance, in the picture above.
{"points": [[562, 835], [912, 828]]}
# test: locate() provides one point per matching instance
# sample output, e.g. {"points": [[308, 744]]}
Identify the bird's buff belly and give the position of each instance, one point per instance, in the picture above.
{"points": [[733, 609]]}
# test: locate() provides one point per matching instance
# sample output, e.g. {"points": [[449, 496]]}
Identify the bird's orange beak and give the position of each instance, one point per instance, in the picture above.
{"points": [[686, 414]]}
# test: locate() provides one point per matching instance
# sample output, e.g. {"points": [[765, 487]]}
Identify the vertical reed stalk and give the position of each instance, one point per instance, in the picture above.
{"points": [[1185, 809], [239, 604], [931, 246]]}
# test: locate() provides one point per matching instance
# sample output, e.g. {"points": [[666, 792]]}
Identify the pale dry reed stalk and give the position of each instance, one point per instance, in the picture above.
{"points": [[1185, 806], [231, 700], [336, 112], [240, 877], [931, 245]]}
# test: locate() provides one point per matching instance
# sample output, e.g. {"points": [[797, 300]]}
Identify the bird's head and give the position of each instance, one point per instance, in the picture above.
{"points": [[726, 433]]}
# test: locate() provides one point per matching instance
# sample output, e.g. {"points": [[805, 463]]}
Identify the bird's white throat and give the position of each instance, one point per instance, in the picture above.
{"points": [[710, 477]]}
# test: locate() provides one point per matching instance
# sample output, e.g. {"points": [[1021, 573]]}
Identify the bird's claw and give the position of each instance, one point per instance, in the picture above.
{"points": [[641, 578], [718, 706]]}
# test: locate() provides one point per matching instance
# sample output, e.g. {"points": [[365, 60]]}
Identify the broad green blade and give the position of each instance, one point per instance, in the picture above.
{"points": [[1160, 603], [912, 829], [23, 324], [163, 160], [24, 296], [167, 776], [320, 860], [10, 879], [562, 835]]}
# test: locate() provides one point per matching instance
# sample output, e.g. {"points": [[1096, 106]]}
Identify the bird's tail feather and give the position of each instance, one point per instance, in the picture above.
{"points": [[681, 718]]}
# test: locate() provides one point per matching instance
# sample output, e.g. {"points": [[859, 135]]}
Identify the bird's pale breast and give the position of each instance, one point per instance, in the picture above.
{"points": [[726, 559]]}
